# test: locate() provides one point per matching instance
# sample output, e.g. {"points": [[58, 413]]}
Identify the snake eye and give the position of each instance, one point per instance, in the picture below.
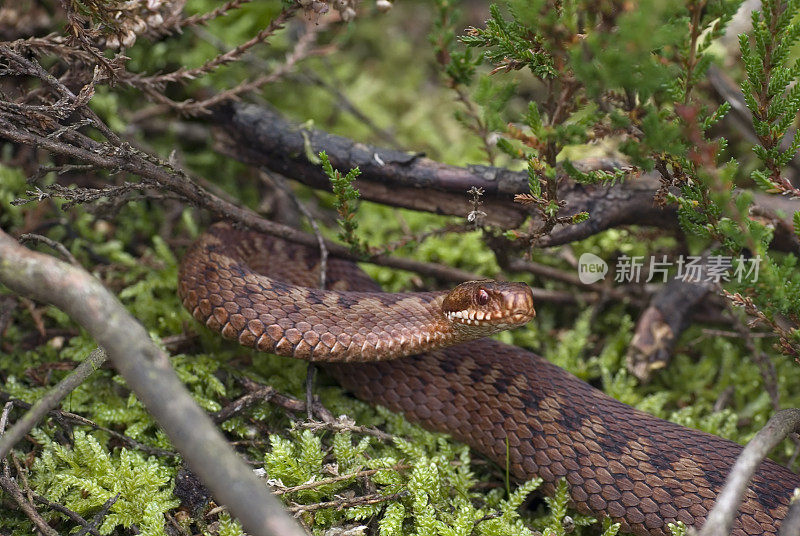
{"points": [[482, 297]]}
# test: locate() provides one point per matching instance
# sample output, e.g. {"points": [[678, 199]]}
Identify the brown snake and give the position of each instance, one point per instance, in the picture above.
{"points": [[638, 470]]}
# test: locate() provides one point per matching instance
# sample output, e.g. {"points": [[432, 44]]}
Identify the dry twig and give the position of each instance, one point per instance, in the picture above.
{"points": [[66, 417], [341, 503], [58, 246], [285, 401], [98, 518], [10, 486], [74, 516], [339, 478], [50, 401], [344, 424]]}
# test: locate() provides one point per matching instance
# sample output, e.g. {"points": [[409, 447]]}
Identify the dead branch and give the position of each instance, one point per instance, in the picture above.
{"points": [[339, 478], [58, 246], [185, 74], [388, 176], [99, 517], [262, 394], [661, 324], [344, 424], [154, 85], [257, 391], [147, 371], [202, 19], [260, 136]]}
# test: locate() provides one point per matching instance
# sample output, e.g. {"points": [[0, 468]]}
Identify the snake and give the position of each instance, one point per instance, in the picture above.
{"points": [[426, 356]]}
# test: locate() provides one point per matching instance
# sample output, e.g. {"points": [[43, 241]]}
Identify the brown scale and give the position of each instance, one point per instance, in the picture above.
{"points": [[639, 470]]}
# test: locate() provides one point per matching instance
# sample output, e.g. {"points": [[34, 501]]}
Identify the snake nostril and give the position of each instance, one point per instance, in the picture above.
{"points": [[517, 305], [521, 304]]}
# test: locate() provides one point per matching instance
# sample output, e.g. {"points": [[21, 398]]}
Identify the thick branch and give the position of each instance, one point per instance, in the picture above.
{"points": [[261, 137], [147, 371]]}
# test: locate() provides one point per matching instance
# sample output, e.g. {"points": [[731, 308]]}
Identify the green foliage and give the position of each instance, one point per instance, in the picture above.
{"points": [[627, 58], [13, 186], [558, 523], [567, 352], [707, 22], [677, 529], [87, 475], [776, 285], [459, 64], [796, 223], [227, 527], [598, 176], [770, 89], [603, 76], [493, 99], [511, 44], [345, 195]]}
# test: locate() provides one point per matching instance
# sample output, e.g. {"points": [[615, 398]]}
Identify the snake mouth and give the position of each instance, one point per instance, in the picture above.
{"points": [[499, 319], [474, 318]]}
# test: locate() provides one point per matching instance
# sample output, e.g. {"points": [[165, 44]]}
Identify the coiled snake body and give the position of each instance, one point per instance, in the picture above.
{"points": [[639, 470]]}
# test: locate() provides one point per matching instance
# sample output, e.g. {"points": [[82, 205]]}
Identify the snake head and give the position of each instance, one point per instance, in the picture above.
{"points": [[489, 304]]}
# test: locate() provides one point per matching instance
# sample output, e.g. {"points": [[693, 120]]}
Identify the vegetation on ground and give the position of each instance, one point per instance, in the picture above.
{"points": [[535, 86]]}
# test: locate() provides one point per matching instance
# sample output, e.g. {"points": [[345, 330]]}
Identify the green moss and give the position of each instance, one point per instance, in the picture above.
{"points": [[83, 477], [432, 478]]}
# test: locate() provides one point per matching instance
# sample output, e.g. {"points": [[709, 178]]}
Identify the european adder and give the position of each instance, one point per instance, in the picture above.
{"points": [[639, 470]]}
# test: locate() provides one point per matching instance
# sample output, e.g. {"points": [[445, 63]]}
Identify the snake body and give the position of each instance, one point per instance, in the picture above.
{"points": [[507, 403]]}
